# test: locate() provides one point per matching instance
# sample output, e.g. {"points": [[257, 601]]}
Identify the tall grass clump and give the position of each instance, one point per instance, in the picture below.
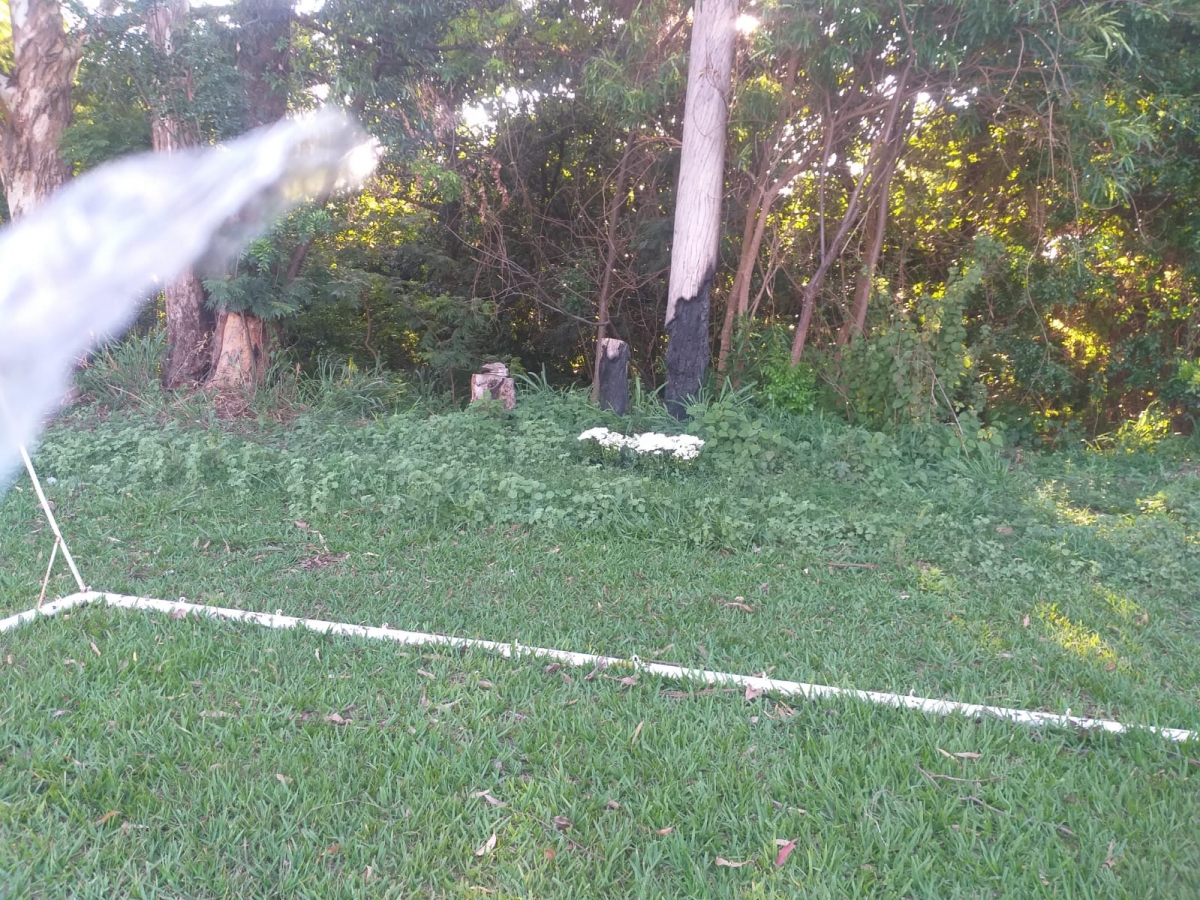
{"points": [[125, 373], [345, 388]]}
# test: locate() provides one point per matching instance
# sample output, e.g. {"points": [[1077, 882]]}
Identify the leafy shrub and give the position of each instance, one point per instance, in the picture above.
{"points": [[790, 388], [1142, 434], [737, 439], [762, 356], [1184, 388], [916, 369]]}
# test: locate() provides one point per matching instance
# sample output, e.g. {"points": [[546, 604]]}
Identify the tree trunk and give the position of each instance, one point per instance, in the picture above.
{"points": [[739, 296], [189, 323], [239, 351], [762, 196], [695, 245], [36, 98], [263, 59], [612, 375], [856, 322], [616, 204], [878, 161]]}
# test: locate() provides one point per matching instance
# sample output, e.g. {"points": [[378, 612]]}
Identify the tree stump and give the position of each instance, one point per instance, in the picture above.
{"points": [[494, 383], [614, 375]]}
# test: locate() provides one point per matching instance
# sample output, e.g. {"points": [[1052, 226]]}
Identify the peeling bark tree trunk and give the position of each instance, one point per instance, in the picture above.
{"points": [[264, 51], [36, 97], [696, 242], [189, 323], [239, 351]]}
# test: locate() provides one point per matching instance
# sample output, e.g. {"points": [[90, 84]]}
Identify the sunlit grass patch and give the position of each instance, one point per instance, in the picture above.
{"points": [[1076, 638]]}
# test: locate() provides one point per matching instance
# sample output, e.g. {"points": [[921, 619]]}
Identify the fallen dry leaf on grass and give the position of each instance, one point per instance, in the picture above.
{"points": [[744, 607], [785, 850], [752, 692], [961, 755], [489, 799], [636, 732], [108, 816], [549, 853], [321, 561], [487, 846], [730, 864], [561, 822], [666, 830]]}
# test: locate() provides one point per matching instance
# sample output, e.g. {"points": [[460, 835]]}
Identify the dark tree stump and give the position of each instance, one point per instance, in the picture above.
{"points": [[614, 375]]}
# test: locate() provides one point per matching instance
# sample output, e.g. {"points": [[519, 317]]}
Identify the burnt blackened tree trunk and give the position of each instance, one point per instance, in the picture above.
{"points": [[696, 242], [36, 99]]}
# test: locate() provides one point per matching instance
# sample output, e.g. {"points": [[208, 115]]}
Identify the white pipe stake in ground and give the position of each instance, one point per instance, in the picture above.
{"points": [[663, 670], [37, 487]]}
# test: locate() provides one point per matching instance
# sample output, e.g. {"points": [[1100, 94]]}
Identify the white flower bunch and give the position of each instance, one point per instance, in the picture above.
{"points": [[683, 447]]}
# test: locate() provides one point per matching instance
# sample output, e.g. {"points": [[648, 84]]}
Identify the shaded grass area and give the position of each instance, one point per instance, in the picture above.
{"points": [[144, 755]]}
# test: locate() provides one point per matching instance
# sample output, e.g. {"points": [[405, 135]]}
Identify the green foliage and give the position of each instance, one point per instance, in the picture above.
{"points": [[267, 280], [916, 369], [125, 373], [1151, 427], [346, 388], [513, 132], [737, 439], [1184, 387], [762, 357]]}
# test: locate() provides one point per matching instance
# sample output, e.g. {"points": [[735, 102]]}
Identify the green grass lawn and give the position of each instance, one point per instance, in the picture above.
{"points": [[198, 759], [1065, 582]]}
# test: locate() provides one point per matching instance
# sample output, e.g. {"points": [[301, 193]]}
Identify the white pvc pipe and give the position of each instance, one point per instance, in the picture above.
{"points": [[47, 609], [37, 487], [663, 670]]}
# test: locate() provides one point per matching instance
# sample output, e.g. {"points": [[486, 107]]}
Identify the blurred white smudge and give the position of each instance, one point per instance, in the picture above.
{"points": [[73, 272]]}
